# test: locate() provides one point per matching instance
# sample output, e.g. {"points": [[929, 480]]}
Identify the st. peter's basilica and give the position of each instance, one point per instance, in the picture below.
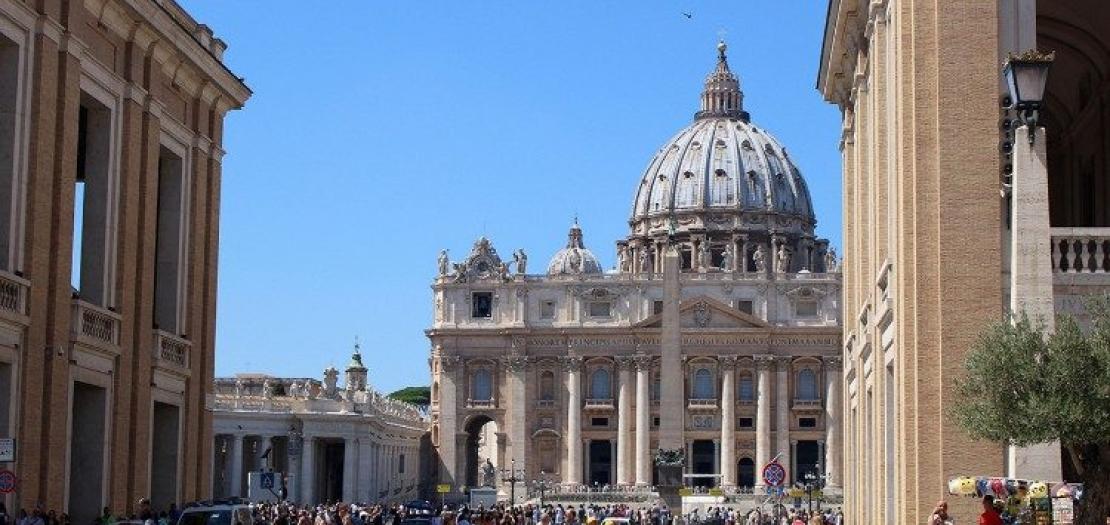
{"points": [[717, 333]]}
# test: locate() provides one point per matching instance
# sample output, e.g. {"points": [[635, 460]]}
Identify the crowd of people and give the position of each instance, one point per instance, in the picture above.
{"points": [[284, 513], [527, 514]]}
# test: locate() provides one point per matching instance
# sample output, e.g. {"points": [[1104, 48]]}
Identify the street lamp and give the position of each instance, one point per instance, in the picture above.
{"points": [[1026, 76], [510, 476], [814, 480], [541, 485]]}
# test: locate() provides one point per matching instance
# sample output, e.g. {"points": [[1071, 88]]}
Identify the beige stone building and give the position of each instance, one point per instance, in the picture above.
{"points": [[111, 124], [331, 442], [717, 333], [952, 219]]}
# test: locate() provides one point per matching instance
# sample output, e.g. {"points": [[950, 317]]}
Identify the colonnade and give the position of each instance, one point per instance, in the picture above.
{"points": [[371, 470]]}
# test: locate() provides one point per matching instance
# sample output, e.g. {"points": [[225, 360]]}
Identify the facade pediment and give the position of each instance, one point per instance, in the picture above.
{"points": [[706, 312]]}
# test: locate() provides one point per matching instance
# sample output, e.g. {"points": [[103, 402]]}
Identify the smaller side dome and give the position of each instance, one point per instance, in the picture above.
{"points": [[575, 259]]}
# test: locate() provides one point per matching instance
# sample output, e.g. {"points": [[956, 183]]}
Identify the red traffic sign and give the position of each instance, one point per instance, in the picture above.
{"points": [[7, 481], [774, 474]]}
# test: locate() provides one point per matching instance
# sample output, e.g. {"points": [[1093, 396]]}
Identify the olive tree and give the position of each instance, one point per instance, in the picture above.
{"points": [[1023, 386]]}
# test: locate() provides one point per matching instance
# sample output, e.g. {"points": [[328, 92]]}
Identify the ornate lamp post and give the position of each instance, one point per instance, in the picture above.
{"points": [[814, 480], [510, 476], [1026, 77], [541, 485]]}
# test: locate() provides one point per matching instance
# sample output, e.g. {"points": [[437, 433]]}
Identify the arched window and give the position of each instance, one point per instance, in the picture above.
{"points": [[482, 389], [807, 385], [547, 385], [600, 384], [747, 389], [703, 384]]}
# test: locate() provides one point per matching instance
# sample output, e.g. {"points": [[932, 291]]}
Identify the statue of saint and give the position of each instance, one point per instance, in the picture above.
{"points": [[489, 474], [645, 260], [782, 259], [267, 389], [830, 260], [726, 258], [759, 259], [460, 272], [295, 390], [521, 260], [443, 263]]}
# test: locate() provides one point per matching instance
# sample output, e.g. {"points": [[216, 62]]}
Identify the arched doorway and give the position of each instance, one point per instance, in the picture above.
{"points": [[481, 445], [1076, 99], [746, 469]]}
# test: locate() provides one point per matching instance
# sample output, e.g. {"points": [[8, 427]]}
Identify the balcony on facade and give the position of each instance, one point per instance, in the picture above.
{"points": [[702, 404], [599, 404], [171, 353], [806, 404], [95, 327], [13, 297]]}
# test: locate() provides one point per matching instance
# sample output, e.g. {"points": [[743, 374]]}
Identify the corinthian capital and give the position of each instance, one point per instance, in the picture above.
{"points": [[832, 362], [625, 362], [571, 363], [728, 361], [764, 362], [515, 363], [448, 363]]}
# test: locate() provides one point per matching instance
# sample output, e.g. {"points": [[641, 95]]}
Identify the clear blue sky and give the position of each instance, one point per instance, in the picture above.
{"points": [[381, 132]]}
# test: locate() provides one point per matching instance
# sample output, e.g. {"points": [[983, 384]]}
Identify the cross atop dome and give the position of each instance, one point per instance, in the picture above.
{"points": [[722, 96]]}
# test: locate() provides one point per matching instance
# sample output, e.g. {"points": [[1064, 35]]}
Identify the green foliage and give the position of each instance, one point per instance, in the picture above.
{"points": [[1023, 388], [420, 396]]}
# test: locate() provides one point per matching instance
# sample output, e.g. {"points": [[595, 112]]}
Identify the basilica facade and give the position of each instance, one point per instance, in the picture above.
{"points": [[717, 335]]}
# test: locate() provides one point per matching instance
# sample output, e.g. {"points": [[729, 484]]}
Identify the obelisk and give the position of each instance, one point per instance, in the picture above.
{"points": [[671, 413]]}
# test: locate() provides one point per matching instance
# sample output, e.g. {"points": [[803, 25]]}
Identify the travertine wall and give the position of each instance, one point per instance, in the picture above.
{"points": [[918, 83], [160, 75]]}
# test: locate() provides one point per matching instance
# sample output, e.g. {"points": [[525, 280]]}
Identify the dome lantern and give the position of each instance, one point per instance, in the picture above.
{"points": [[722, 96]]}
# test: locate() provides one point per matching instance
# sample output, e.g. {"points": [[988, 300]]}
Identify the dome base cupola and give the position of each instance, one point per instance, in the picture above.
{"points": [[575, 259]]}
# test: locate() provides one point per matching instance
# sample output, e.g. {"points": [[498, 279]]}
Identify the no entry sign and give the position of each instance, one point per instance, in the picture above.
{"points": [[774, 474], [7, 481]]}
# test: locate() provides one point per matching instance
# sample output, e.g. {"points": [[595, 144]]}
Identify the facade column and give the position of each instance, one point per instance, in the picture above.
{"points": [[727, 459], [517, 369], [573, 366], [448, 420], [763, 365], [832, 422], [308, 471], [350, 468], [783, 401], [624, 421], [365, 457], [643, 420], [235, 482]]}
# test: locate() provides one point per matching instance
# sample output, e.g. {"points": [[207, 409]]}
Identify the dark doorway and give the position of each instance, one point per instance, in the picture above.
{"points": [[601, 461], [746, 468], [331, 482], [702, 455], [86, 459], [481, 434], [808, 460], [164, 455]]}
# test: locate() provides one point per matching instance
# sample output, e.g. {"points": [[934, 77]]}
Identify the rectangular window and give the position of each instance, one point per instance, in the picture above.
{"points": [[168, 243], [655, 421], [687, 259], [745, 306], [91, 196], [9, 89], [807, 422], [600, 308], [746, 422], [599, 421], [656, 307], [401, 464], [481, 305], [717, 257], [806, 308], [547, 310]]}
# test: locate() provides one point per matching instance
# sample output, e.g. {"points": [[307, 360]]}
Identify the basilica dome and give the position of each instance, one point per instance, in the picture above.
{"points": [[722, 172], [574, 259]]}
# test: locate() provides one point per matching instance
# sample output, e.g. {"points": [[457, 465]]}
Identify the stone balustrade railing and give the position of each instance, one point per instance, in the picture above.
{"points": [[13, 293], [373, 403], [807, 403], [598, 402], [171, 352], [95, 326], [1081, 250]]}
